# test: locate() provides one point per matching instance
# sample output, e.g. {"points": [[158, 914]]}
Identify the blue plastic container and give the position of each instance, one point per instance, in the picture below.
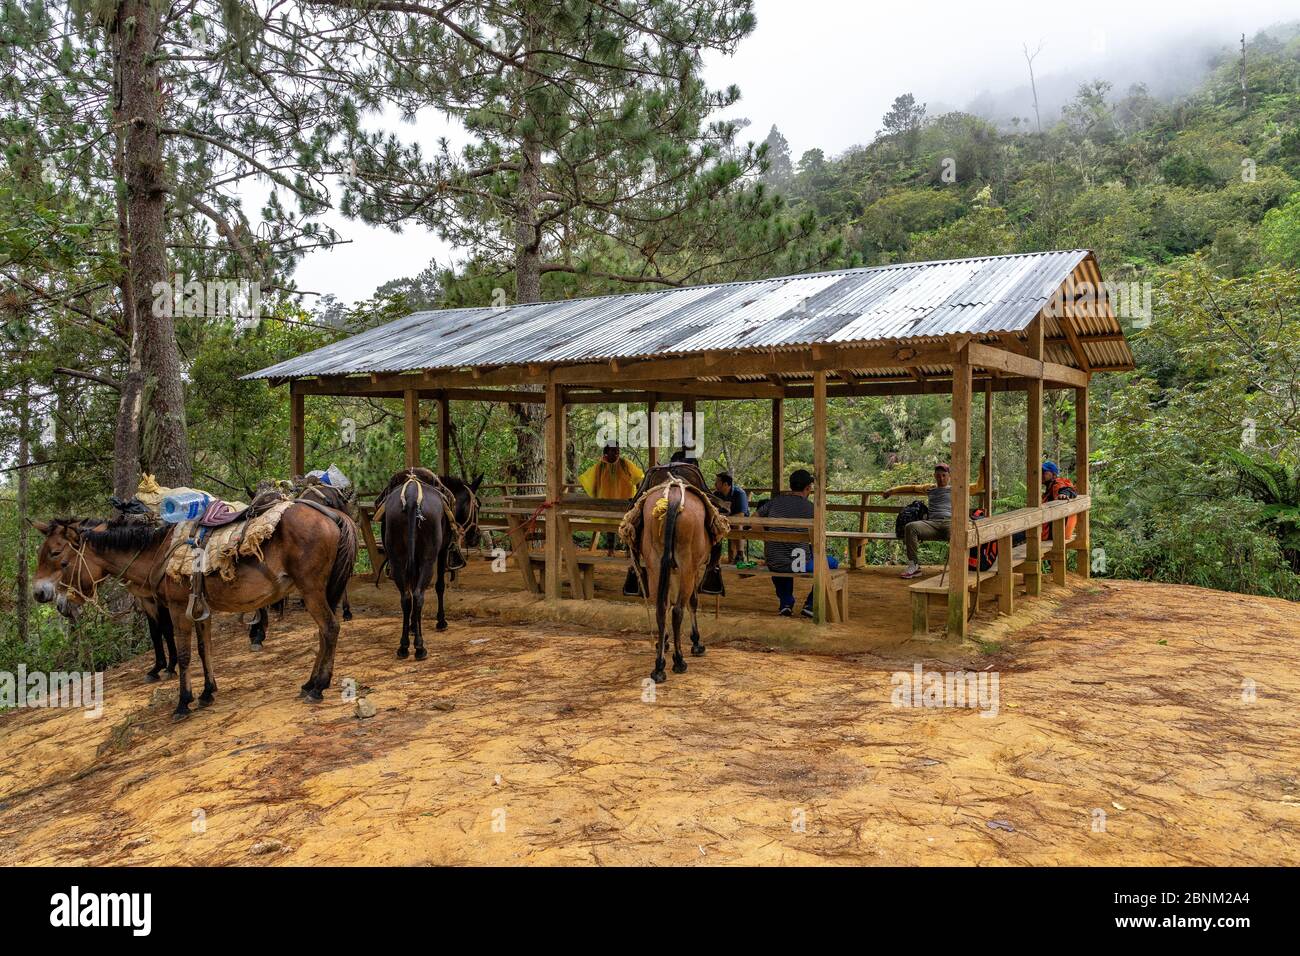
{"points": [[184, 506]]}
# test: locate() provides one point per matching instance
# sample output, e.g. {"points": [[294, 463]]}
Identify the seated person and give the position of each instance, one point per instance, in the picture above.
{"points": [[727, 491], [780, 555], [612, 476], [1057, 488], [938, 523]]}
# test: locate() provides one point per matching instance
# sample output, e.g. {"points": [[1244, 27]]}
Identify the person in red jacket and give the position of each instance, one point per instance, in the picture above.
{"points": [[1057, 488]]}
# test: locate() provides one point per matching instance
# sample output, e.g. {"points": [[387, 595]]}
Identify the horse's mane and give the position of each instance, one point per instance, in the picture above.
{"points": [[457, 485], [117, 534]]}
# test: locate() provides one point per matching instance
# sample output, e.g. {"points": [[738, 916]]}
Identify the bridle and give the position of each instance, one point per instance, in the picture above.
{"points": [[83, 564], [471, 520]]}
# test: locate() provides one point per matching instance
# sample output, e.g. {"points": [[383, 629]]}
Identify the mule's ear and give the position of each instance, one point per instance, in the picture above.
{"points": [[42, 526], [473, 485]]}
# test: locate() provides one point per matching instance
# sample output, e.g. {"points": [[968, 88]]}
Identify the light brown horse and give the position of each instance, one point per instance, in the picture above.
{"points": [[312, 552], [674, 553]]}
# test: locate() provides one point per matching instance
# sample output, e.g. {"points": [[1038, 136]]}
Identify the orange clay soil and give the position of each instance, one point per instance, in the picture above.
{"points": [[525, 739]]}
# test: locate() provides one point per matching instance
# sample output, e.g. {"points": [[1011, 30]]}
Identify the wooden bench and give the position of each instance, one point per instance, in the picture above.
{"points": [[934, 590], [1001, 528]]}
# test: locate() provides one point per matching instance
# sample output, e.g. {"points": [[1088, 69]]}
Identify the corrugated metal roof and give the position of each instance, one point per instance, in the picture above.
{"points": [[996, 294]]}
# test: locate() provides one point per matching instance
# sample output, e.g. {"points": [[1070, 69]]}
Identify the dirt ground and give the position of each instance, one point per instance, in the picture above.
{"points": [[528, 737]]}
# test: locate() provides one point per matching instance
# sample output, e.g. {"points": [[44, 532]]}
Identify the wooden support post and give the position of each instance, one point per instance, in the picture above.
{"points": [[778, 445], [960, 463], [858, 549], [1034, 464], [1006, 576], [1058, 552], [820, 569], [988, 446], [444, 437], [297, 432], [412, 427], [688, 426], [554, 486], [652, 453], [1082, 531]]}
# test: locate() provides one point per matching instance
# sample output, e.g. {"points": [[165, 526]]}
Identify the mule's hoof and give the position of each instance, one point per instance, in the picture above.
{"points": [[347, 615], [181, 712], [403, 653], [441, 625], [205, 699], [313, 696], [697, 650], [421, 653], [658, 677], [152, 677], [254, 645], [679, 667]]}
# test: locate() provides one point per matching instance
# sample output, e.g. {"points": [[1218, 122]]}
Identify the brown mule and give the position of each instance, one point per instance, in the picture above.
{"points": [[312, 553], [674, 553], [330, 497]]}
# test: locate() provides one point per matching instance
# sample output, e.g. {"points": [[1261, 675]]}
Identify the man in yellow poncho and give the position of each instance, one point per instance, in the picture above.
{"points": [[612, 476]]}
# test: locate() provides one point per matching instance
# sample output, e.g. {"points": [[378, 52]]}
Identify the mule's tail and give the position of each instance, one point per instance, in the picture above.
{"points": [[411, 497], [668, 560], [345, 560]]}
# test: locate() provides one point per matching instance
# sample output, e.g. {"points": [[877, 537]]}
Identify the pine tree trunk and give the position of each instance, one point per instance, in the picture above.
{"points": [[166, 445], [24, 585], [126, 436], [529, 417]]}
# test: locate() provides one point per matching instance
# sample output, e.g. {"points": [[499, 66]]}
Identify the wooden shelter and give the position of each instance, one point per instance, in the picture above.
{"points": [[1020, 323]]}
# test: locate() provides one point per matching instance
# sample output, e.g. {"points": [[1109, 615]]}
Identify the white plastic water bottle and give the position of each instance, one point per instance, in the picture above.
{"points": [[335, 478], [184, 506]]}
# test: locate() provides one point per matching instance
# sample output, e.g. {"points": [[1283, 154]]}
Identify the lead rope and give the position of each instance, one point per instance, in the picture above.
{"points": [[83, 563]]}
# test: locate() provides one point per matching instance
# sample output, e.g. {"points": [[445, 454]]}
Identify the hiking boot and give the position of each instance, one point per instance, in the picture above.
{"points": [[711, 583], [786, 612], [807, 611], [913, 570]]}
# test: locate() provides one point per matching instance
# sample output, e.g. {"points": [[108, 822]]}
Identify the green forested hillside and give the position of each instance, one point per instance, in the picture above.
{"points": [[1197, 457]]}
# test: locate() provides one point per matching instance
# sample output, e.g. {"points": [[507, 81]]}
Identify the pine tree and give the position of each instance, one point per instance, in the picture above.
{"points": [[780, 167], [591, 152], [172, 108]]}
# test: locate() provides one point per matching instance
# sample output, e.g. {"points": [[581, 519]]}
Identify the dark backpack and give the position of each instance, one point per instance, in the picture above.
{"points": [[916, 511], [988, 550]]}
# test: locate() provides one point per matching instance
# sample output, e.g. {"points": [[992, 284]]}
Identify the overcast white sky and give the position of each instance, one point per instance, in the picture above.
{"points": [[825, 71]]}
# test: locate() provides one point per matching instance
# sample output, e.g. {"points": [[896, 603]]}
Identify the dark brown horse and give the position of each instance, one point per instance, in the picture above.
{"points": [[675, 552], [417, 534], [312, 552]]}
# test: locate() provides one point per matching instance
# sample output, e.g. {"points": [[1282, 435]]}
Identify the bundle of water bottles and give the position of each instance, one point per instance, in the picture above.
{"points": [[176, 505]]}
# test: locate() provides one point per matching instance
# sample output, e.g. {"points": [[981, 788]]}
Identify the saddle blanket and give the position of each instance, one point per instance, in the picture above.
{"points": [[629, 530], [224, 546]]}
